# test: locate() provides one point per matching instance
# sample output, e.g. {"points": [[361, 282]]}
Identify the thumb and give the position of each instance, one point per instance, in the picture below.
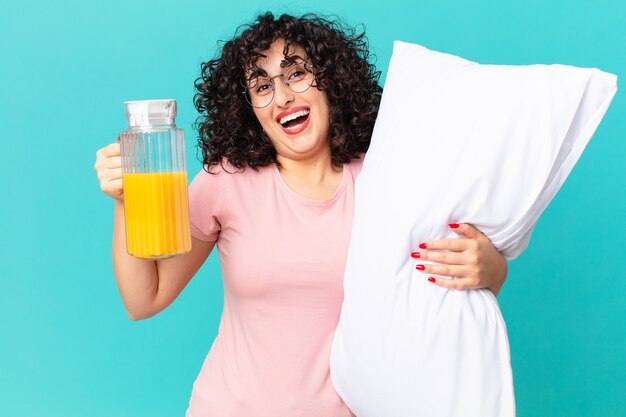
{"points": [[466, 230]]}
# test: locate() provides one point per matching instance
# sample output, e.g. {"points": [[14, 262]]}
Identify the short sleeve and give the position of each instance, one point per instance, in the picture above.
{"points": [[205, 206]]}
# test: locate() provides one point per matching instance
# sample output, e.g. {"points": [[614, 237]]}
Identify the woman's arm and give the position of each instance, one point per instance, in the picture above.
{"points": [[146, 286], [473, 261]]}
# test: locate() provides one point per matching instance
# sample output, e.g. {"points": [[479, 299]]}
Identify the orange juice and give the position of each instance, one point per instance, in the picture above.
{"points": [[157, 214]]}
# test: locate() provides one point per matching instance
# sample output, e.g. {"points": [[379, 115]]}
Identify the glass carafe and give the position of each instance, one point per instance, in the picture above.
{"points": [[154, 178]]}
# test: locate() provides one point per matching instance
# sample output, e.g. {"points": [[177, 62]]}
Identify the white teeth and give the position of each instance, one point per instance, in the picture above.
{"points": [[292, 116]]}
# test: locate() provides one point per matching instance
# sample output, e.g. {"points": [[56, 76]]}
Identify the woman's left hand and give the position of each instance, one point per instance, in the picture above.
{"points": [[474, 261]]}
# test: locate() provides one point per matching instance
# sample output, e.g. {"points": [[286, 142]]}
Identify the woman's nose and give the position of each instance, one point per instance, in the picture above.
{"points": [[282, 94]]}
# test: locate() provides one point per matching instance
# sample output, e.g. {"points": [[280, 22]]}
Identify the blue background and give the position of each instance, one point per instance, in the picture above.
{"points": [[67, 347]]}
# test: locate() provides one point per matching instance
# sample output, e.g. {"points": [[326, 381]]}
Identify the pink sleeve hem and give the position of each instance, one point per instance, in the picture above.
{"points": [[197, 234]]}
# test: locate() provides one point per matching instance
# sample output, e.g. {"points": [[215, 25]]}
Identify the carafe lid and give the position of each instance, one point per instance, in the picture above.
{"points": [[145, 113]]}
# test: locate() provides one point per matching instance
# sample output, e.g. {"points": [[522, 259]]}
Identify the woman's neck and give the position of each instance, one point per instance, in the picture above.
{"points": [[315, 178]]}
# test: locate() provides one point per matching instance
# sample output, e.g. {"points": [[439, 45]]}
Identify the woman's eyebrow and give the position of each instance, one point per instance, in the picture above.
{"points": [[257, 72], [291, 60]]}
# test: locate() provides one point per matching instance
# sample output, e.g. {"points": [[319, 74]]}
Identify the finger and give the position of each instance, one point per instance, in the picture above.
{"points": [[113, 188], [115, 174], [453, 284], [467, 230], [106, 175], [459, 271], [103, 165], [110, 150], [457, 245], [114, 162], [444, 257]]}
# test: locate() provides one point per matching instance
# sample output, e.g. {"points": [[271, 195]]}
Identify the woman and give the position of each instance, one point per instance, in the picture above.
{"points": [[287, 111]]}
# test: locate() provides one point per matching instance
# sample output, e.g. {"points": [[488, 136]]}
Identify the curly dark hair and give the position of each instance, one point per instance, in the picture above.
{"points": [[227, 125]]}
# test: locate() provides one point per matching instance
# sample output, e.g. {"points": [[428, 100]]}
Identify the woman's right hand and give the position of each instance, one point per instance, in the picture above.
{"points": [[147, 286], [108, 168]]}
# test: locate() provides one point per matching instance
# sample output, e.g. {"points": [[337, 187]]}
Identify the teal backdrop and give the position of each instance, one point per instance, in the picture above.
{"points": [[67, 347]]}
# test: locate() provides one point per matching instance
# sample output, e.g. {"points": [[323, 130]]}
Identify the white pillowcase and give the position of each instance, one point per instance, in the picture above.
{"points": [[454, 142]]}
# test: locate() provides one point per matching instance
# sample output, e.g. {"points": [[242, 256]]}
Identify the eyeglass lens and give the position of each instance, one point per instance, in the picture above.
{"points": [[297, 78]]}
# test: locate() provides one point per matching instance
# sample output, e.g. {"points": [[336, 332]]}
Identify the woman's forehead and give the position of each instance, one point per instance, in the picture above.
{"points": [[275, 57]]}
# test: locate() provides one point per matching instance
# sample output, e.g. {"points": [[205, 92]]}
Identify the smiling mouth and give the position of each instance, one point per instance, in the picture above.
{"points": [[294, 120]]}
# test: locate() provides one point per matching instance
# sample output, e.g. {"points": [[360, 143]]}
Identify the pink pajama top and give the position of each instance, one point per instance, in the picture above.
{"points": [[282, 257]]}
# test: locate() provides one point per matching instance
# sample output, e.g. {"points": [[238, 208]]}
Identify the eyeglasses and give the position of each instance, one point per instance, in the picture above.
{"points": [[298, 78]]}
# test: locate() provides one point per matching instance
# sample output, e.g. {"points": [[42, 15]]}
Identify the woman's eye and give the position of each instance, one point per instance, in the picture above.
{"points": [[263, 88], [296, 75]]}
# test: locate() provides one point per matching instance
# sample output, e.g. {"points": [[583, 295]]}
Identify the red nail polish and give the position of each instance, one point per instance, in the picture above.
{"points": [[415, 255], [420, 267], [431, 279], [422, 246], [453, 225]]}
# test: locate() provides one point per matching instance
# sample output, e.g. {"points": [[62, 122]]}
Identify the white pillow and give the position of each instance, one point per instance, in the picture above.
{"points": [[454, 142]]}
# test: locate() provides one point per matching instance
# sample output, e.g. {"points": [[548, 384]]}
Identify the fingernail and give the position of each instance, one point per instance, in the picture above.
{"points": [[453, 225], [420, 267], [422, 246], [431, 279], [415, 255]]}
